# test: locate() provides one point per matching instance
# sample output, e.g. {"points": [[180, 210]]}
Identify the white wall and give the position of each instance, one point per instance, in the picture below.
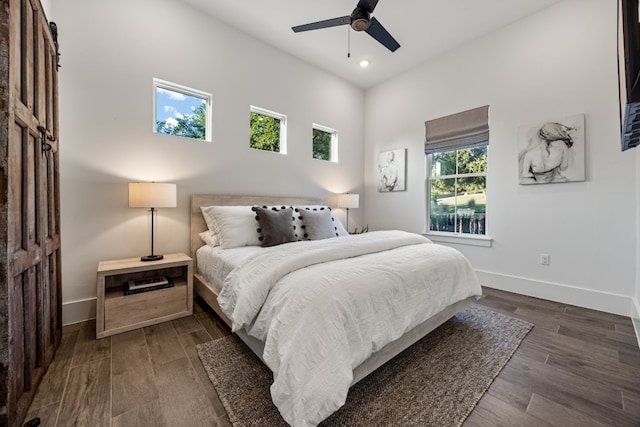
{"points": [[111, 51], [46, 7], [557, 63]]}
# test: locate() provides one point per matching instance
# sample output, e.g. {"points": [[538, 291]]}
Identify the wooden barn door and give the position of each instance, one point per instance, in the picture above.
{"points": [[30, 287]]}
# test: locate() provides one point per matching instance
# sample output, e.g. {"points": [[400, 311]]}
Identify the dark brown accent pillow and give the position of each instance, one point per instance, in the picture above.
{"points": [[276, 226]]}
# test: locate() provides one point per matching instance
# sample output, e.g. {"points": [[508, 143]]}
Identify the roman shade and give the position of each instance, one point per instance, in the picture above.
{"points": [[461, 130]]}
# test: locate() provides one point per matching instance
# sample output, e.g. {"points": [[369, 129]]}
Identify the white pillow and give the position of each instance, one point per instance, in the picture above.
{"points": [[339, 227], [234, 226], [207, 214], [340, 230], [210, 238]]}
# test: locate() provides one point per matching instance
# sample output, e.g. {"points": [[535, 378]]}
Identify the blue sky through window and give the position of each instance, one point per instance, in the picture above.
{"points": [[172, 105]]}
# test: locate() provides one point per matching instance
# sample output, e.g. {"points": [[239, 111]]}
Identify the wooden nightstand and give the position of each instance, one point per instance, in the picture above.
{"points": [[117, 312]]}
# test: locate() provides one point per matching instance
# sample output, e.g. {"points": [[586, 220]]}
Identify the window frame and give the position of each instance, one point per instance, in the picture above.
{"points": [[185, 90], [283, 128], [454, 236], [334, 141]]}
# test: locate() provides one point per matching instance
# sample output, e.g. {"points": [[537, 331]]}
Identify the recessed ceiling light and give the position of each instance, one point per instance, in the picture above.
{"points": [[364, 63]]}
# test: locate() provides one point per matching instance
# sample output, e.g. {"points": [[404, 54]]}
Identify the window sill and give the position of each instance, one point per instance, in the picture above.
{"points": [[461, 239]]}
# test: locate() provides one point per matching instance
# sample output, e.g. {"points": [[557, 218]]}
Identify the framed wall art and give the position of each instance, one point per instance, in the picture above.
{"points": [[552, 151], [391, 170]]}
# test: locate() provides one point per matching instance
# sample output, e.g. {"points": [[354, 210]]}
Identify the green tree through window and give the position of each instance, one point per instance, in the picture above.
{"points": [[322, 141], [264, 132]]}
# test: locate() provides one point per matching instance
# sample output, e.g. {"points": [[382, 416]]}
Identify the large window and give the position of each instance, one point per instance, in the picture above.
{"points": [[325, 143], [181, 111], [267, 130], [456, 149], [458, 190]]}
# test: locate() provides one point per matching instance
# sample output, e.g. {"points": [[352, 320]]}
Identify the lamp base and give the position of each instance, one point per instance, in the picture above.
{"points": [[151, 258]]}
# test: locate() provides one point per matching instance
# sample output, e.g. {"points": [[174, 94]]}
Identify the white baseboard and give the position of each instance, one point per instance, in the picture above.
{"points": [[635, 317], [78, 311], [588, 298]]}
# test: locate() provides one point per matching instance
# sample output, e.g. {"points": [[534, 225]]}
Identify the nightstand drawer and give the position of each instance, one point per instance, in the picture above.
{"points": [[129, 310]]}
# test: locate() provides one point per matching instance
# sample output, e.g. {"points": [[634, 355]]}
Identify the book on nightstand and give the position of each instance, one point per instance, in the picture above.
{"points": [[146, 285]]}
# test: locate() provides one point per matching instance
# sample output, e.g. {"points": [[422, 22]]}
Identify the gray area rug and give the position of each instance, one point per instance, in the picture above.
{"points": [[436, 382]]}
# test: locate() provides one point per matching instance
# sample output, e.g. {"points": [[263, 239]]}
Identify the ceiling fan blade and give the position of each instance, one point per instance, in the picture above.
{"points": [[335, 22], [378, 32], [367, 5]]}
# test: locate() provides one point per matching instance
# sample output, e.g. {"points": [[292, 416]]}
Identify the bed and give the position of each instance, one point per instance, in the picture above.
{"points": [[333, 365]]}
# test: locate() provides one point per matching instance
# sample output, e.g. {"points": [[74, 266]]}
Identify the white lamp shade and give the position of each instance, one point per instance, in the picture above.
{"points": [[348, 201], [152, 195]]}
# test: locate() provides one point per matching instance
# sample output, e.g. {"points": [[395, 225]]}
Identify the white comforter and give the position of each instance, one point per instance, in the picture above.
{"points": [[323, 307]]}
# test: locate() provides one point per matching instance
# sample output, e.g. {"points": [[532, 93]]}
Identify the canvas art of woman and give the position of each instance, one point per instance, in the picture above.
{"points": [[389, 173], [548, 154], [391, 170]]}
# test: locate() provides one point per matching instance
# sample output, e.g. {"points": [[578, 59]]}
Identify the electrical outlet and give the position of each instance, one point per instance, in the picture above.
{"points": [[544, 259]]}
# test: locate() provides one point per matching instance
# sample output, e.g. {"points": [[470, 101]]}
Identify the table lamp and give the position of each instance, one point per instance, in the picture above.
{"points": [[152, 195], [348, 201]]}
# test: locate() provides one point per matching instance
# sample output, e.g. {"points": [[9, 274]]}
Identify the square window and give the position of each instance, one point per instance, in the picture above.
{"points": [[181, 111], [267, 130], [325, 143]]}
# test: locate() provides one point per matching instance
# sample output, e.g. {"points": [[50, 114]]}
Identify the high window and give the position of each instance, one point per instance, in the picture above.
{"points": [[267, 130], [456, 148], [181, 111], [325, 143]]}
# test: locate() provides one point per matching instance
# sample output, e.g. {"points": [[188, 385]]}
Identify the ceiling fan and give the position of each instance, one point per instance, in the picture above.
{"points": [[360, 20]]}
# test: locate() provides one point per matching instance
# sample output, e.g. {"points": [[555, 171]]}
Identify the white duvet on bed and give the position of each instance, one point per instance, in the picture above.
{"points": [[323, 307], [215, 263]]}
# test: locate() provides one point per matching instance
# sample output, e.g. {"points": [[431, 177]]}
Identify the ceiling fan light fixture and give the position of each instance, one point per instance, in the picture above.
{"points": [[360, 19], [360, 24], [364, 63]]}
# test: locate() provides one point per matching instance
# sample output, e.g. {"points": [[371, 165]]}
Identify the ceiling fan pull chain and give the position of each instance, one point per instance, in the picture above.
{"points": [[348, 42]]}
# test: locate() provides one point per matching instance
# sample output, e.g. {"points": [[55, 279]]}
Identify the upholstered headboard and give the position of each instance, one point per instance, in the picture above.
{"points": [[197, 220]]}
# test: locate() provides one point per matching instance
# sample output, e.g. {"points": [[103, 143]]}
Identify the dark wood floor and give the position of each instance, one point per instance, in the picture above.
{"points": [[577, 367]]}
